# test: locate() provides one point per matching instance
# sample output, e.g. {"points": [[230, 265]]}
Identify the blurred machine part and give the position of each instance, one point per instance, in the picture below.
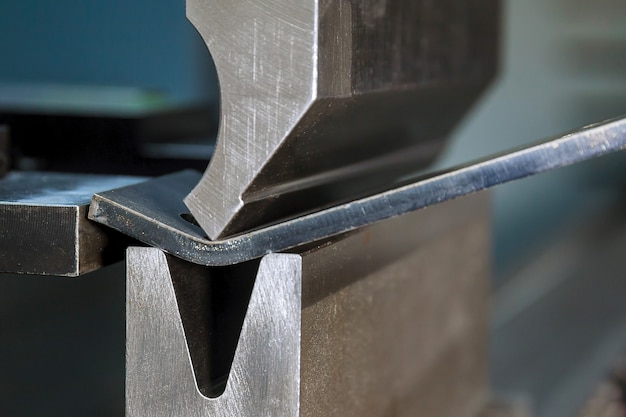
{"points": [[377, 322], [609, 397], [105, 130], [4, 150]]}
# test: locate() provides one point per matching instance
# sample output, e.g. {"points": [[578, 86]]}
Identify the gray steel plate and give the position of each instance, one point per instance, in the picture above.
{"points": [[153, 212], [44, 228]]}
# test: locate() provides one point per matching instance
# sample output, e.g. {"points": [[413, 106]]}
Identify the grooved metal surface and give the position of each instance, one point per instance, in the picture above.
{"points": [[264, 379]]}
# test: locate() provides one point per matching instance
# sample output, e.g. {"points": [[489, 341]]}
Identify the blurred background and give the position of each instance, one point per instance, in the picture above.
{"points": [[559, 273]]}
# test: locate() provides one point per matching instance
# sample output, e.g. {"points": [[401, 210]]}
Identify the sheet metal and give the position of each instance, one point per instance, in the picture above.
{"points": [[152, 212], [44, 228]]}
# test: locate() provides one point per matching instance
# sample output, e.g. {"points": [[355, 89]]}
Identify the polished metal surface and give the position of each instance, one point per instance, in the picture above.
{"points": [[377, 323], [44, 228], [152, 212], [326, 100], [4, 150]]}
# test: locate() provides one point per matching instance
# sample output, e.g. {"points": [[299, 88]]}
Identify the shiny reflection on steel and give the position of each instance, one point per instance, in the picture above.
{"points": [[331, 99], [4, 150], [151, 212], [44, 228]]}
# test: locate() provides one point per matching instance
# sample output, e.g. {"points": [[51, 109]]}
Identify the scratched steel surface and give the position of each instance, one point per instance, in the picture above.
{"points": [[324, 100]]}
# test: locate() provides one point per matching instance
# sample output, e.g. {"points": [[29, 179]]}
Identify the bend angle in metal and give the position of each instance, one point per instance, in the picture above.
{"points": [[151, 212]]}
